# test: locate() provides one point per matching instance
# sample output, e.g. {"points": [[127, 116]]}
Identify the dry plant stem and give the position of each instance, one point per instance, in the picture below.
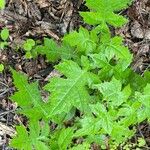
{"points": [[5, 89], [6, 112]]}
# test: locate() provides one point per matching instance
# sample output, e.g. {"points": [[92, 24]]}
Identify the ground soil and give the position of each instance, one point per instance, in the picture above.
{"points": [[53, 18]]}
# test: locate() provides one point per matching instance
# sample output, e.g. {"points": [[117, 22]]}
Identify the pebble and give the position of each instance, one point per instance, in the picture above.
{"points": [[147, 34], [137, 31]]}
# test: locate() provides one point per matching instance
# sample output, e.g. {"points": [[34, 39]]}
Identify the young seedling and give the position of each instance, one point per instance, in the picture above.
{"points": [[4, 37], [1, 68], [2, 4], [28, 46]]}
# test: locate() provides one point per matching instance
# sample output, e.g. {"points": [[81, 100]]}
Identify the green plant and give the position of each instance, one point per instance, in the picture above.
{"points": [[1, 68], [2, 4], [141, 142], [4, 36], [55, 52], [28, 46], [96, 83]]}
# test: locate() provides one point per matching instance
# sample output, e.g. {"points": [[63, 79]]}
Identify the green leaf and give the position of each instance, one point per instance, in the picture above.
{"points": [[100, 61], [115, 48], [4, 34], [113, 59], [104, 117], [128, 113], [28, 95], [141, 142], [82, 40], [117, 5], [27, 47], [29, 139], [111, 19], [31, 42], [3, 44], [61, 139], [67, 52], [104, 123], [147, 76], [85, 63], [1, 67], [120, 133], [28, 55], [102, 120], [144, 98], [83, 146], [112, 92], [69, 92], [108, 5], [65, 138], [96, 18], [54, 52], [2, 4], [103, 12], [21, 141], [86, 128]]}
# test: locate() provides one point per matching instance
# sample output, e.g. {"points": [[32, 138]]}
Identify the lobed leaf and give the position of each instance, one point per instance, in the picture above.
{"points": [[54, 52], [113, 94], [82, 40], [103, 11], [29, 140], [61, 139], [69, 92], [28, 95]]}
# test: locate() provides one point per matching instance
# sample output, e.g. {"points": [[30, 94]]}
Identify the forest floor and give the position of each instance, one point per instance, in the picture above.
{"points": [[37, 19]]}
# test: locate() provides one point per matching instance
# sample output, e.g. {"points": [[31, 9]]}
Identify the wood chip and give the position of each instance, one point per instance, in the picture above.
{"points": [[137, 31], [4, 129]]}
